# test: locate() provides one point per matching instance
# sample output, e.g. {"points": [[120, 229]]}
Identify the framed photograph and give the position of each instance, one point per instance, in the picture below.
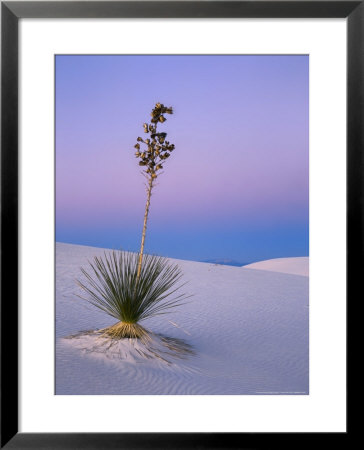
{"points": [[181, 211]]}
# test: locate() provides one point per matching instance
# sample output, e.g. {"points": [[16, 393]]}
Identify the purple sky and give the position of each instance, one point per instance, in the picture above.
{"points": [[236, 186]]}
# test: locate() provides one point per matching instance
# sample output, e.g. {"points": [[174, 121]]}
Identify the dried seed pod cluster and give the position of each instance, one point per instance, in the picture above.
{"points": [[155, 148]]}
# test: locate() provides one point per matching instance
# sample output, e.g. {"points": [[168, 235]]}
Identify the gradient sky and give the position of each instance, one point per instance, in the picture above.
{"points": [[236, 186]]}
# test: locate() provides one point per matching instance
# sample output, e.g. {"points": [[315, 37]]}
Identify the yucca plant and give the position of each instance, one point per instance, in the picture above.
{"points": [[132, 287]]}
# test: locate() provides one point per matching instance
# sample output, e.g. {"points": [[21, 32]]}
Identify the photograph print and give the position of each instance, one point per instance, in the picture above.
{"points": [[182, 224]]}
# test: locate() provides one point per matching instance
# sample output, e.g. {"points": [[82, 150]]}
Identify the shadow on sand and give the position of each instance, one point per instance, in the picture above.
{"points": [[152, 346]]}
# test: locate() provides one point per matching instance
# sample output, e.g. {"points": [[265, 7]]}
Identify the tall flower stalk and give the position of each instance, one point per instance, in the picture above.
{"points": [[156, 149]]}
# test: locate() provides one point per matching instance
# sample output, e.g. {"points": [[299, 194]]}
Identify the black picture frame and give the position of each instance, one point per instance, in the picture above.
{"points": [[11, 12]]}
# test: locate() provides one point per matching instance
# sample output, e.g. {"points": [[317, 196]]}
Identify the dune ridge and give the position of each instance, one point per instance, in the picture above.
{"points": [[294, 266]]}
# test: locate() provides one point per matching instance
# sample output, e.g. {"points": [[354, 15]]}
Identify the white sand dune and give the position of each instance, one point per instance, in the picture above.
{"points": [[248, 329], [295, 266]]}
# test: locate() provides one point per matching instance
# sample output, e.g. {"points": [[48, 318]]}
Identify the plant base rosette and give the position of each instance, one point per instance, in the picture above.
{"points": [[122, 330], [118, 285]]}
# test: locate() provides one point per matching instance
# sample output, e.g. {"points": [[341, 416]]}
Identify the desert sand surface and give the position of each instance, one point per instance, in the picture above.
{"points": [[248, 329], [294, 266]]}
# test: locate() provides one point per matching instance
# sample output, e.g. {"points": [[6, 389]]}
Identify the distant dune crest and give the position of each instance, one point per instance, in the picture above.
{"points": [[294, 266]]}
